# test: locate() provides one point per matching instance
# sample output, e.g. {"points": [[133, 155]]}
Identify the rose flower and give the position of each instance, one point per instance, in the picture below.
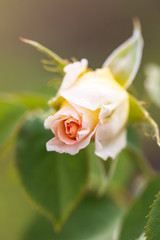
{"points": [[95, 104]]}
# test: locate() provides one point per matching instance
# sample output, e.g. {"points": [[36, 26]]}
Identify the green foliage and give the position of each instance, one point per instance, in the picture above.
{"points": [[15, 212], [135, 219], [115, 176], [14, 109], [129, 163], [125, 60], [152, 83], [133, 141], [121, 172], [11, 115], [135, 153], [97, 174], [56, 60], [139, 115], [30, 100], [94, 219], [70, 191], [55, 182], [152, 228]]}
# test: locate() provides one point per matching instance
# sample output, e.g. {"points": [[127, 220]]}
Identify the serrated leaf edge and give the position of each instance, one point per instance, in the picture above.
{"points": [[149, 215]]}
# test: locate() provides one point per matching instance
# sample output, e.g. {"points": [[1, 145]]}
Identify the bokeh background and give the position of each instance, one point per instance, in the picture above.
{"points": [[86, 28]]}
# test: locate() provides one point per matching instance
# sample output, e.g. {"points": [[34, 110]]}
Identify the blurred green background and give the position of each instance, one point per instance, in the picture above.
{"points": [[86, 28]]}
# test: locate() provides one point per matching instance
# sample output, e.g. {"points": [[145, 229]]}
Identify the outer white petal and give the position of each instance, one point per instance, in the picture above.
{"points": [[94, 89], [110, 137], [106, 111], [73, 70], [113, 147]]}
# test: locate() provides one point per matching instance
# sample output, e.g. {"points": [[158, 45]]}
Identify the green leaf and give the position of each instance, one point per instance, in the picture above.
{"points": [[11, 115], [136, 155], [152, 83], [125, 60], [120, 175], [141, 116], [133, 140], [121, 170], [30, 100], [152, 228], [55, 182], [135, 219], [14, 108], [58, 61], [94, 219], [51, 69], [97, 177], [124, 165], [15, 212]]}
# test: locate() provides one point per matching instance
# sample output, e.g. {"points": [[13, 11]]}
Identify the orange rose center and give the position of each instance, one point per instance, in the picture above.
{"points": [[71, 127]]}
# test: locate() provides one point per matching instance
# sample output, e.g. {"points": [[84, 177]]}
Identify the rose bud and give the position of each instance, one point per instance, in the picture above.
{"points": [[95, 104]]}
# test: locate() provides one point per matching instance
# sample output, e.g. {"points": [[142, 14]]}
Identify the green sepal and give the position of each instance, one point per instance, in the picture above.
{"points": [[57, 61], [137, 114], [125, 60]]}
